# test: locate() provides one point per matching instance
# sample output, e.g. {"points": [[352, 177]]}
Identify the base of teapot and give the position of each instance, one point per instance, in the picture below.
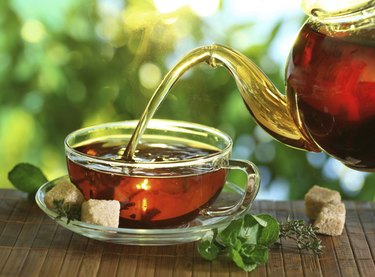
{"points": [[360, 168]]}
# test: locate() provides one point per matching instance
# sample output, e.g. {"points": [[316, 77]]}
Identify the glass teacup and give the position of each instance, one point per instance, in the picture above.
{"points": [[178, 171]]}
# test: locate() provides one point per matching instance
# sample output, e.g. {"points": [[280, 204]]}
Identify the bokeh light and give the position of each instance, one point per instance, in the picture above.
{"points": [[204, 8], [169, 6], [149, 75], [33, 31]]}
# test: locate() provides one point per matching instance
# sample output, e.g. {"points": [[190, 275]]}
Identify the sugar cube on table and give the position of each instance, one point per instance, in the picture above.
{"points": [[317, 197]]}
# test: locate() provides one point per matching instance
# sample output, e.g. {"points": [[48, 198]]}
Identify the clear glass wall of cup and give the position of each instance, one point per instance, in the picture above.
{"points": [[154, 191]]}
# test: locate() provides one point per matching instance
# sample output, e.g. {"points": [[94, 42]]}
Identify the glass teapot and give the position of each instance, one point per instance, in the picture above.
{"points": [[329, 103]]}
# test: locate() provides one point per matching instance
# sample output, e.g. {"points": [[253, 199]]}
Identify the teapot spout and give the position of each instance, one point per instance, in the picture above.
{"points": [[267, 105], [270, 109]]}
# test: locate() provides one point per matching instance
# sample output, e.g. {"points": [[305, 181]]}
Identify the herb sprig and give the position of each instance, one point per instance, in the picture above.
{"points": [[71, 212], [247, 240], [304, 235]]}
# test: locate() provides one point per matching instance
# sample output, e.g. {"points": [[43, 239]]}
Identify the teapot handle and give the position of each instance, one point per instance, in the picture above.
{"points": [[267, 105]]}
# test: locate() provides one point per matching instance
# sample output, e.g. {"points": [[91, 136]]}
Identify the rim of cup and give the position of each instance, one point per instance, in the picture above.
{"points": [[156, 124]]}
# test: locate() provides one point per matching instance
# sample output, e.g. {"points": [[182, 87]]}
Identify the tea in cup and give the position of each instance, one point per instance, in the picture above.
{"points": [[178, 171]]}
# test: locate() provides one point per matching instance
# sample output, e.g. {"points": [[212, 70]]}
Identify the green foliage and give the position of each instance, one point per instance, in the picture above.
{"points": [[246, 241], [70, 64]]}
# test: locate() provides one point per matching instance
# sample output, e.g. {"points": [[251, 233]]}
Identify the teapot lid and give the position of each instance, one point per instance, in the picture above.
{"points": [[335, 7], [358, 13]]}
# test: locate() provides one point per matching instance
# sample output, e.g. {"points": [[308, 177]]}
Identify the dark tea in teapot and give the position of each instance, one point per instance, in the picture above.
{"points": [[333, 78], [156, 198]]}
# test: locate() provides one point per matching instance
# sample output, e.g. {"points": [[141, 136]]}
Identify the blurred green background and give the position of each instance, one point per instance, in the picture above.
{"points": [[67, 64]]}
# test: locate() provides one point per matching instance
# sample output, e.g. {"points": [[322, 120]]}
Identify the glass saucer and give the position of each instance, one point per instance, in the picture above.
{"points": [[188, 232]]}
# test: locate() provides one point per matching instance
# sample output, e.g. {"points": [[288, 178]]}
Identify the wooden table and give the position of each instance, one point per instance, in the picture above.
{"points": [[31, 244]]}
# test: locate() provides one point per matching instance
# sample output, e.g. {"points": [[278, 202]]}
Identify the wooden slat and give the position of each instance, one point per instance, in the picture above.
{"points": [[344, 255], [45, 234], [357, 239], [201, 267], [127, 265], [20, 261], [164, 266], [362, 241], [12, 194], [4, 254], [367, 218], [6, 208], [291, 255], [74, 256], [15, 261], [275, 264], [183, 264], [56, 252], [221, 267], [310, 262], [14, 223], [110, 259], [109, 264], [146, 266], [260, 271], [33, 262], [91, 260], [27, 234], [38, 253], [328, 261]]}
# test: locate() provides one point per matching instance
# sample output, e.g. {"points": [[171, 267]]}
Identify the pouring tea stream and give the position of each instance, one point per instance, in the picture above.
{"points": [[329, 103]]}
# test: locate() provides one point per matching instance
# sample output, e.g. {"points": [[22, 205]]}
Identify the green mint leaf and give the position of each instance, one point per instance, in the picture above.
{"points": [[207, 247], [229, 236], [26, 177], [247, 249], [241, 261], [247, 240], [259, 254], [250, 230], [269, 234], [260, 221], [254, 254]]}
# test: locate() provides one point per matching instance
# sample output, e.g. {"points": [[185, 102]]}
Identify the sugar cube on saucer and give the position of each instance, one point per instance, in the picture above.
{"points": [[101, 212], [66, 191]]}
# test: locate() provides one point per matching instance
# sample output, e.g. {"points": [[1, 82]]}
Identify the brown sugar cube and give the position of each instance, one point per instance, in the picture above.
{"points": [[66, 191], [316, 197], [331, 219], [101, 212]]}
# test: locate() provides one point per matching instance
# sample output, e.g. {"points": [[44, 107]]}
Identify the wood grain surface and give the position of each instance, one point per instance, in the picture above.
{"points": [[31, 244]]}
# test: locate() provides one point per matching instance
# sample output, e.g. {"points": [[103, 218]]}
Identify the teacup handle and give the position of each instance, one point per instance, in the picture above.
{"points": [[251, 190]]}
